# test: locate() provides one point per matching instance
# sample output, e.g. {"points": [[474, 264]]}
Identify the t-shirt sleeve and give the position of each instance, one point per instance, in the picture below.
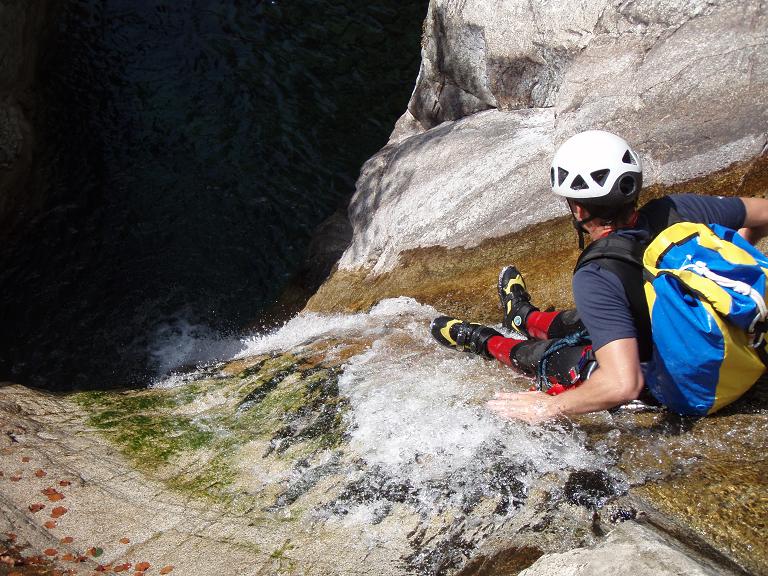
{"points": [[602, 305], [729, 212]]}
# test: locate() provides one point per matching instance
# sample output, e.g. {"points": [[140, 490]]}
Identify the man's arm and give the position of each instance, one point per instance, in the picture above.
{"points": [[756, 219], [618, 380]]}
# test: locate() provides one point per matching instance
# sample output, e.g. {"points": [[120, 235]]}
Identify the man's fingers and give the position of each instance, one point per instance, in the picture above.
{"points": [[504, 395], [527, 406]]}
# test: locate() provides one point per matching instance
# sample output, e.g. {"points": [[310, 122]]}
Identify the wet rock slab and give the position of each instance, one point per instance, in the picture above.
{"points": [[365, 445], [634, 547]]}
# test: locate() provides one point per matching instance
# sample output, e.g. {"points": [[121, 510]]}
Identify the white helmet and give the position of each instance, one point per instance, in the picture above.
{"points": [[597, 168]]}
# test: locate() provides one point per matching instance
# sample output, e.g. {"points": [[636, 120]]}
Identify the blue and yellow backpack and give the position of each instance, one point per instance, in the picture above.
{"points": [[702, 311]]}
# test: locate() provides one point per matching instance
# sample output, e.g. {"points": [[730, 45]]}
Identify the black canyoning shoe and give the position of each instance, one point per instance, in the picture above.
{"points": [[515, 300], [464, 336]]}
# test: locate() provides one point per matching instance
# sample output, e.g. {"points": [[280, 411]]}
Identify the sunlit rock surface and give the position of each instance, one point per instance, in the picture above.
{"points": [[328, 447], [456, 185], [632, 546], [684, 82]]}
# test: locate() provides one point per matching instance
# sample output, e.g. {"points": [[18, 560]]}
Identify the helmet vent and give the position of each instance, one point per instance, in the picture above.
{"points": [[579, 183], [600, 176], [627, 184], [552, 176], [561, 176], [627, 158]]}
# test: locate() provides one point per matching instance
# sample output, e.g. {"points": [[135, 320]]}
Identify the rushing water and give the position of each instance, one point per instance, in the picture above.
{"points": [[417, 419], [416, 409], [191, 149], [420, 455]]}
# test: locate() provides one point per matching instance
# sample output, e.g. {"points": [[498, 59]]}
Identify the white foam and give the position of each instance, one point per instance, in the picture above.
{"points": [[417, 409], [309, 327], [418, 413]]}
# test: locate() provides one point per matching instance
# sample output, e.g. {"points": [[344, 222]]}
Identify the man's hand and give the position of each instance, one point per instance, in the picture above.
{"points": [[618, 380], [531, 407]]}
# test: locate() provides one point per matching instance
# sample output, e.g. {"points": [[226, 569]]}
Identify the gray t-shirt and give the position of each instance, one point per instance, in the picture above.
{"points": [[599, 295]]}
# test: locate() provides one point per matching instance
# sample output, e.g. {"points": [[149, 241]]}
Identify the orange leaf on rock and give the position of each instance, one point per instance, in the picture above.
{"points": [[51, 524], [40, 473], [166, 569], [67, 540], [50, 551], [16, 478], [36, 507], [143, 566], [68, 557], [64, 482], [26, 459], [53, 494], [122, 567], [58, 512], [124, 541]]}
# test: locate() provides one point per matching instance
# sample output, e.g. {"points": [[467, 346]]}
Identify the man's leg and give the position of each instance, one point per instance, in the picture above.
{"points": [[566, 367], [553, 324]]}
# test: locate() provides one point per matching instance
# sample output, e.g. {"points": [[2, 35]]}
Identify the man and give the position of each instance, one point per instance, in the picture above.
{"points": [[600, 177]]}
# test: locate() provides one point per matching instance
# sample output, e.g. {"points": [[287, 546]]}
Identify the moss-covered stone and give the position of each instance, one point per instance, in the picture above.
{"points": [[191, 435]]}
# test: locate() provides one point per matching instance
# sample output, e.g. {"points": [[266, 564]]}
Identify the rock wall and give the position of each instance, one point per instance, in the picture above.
{"points": [[501, 84], [22, 25]]}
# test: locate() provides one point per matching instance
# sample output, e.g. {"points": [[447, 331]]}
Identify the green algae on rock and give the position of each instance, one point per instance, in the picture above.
{"points": [[191, 435]]}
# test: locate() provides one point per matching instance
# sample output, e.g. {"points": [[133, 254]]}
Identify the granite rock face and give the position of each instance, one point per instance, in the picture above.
{"points": [[646, 551], [461, 189], [455, 185], [683, 81]]}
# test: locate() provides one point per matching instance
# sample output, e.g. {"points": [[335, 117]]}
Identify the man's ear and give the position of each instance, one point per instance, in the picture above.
{"points": [[579, 211]]}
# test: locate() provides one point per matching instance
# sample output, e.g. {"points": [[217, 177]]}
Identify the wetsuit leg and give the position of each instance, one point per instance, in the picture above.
{"points": [[567, 366], [553, 324]]}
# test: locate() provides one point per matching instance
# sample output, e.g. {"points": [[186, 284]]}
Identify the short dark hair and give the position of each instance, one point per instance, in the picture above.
{"points": [[609, 215]]}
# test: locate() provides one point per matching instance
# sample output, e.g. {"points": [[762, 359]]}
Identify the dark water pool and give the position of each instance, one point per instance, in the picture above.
{"points": [[190, 148]]}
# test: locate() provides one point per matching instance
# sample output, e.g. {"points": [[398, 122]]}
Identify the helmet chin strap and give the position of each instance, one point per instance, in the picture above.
{"points": [[579, 226]]}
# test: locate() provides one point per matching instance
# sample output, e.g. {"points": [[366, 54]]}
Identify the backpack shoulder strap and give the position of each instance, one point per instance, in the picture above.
{"points": [[660, 214], [613, 248], [624, 257]]}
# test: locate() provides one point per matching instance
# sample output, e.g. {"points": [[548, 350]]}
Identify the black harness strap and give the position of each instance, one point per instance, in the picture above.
{"points": [[624, 257]]}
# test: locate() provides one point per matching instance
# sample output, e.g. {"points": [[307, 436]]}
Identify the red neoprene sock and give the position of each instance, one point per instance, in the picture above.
{"points": [[500, 348], [537, 324]]}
